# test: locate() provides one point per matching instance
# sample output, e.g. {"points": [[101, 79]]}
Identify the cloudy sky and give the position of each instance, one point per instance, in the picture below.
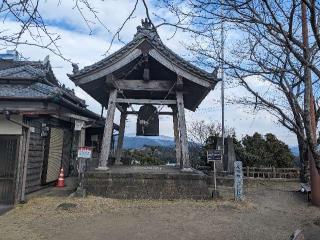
{"points": [[84, 46]]}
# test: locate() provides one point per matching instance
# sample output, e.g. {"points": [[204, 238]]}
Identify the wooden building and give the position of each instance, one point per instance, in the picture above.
{"points": [[42, 123], [145, 72]]}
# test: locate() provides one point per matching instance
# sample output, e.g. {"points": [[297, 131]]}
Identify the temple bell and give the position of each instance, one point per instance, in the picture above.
{"points": [[148, 121]]}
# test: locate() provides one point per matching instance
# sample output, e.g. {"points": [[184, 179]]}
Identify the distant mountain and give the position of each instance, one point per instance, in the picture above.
{"points": [[132, 141], [140, 141]]}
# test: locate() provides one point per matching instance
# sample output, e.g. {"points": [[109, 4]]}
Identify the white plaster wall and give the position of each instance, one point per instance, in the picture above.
{"points": [[10, 128]]}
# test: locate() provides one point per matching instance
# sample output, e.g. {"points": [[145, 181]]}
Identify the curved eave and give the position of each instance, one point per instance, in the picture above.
{"points": [[130, 52], [106, 62], [102, 71]]}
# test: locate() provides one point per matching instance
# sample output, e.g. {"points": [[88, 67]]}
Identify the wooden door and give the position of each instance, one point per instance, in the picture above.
{"points": [[54, 154], [8, 159]]}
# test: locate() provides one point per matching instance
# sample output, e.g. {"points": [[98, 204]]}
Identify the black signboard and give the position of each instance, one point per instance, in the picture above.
{"points": [[214, 155]]}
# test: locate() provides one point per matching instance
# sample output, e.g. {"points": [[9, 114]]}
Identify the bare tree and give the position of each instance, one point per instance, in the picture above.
{"points": [[31, 25], [33, 29], [200, 131], [269, 43]]}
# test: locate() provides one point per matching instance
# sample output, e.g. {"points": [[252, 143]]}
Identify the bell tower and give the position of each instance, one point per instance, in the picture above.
{"points": [[148, 74]]}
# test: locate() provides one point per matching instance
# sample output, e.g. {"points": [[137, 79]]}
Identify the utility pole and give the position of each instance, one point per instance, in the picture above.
{"points": [[222, 39], [310, 111]]}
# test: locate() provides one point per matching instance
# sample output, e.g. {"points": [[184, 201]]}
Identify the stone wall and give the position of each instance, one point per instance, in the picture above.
{"points": [[147, 185]]}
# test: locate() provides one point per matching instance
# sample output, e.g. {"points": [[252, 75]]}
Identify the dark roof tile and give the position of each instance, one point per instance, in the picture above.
{"points": [[146, 32], [36, 90]]}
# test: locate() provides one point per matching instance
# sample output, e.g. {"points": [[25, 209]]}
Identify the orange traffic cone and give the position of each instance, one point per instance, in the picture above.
{"points": [[60, 182]]}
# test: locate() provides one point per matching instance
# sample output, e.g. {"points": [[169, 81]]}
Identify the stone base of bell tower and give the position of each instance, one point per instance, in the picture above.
{"points": [[147, 182]]}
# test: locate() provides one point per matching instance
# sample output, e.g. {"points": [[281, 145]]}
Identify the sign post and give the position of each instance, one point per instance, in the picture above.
{"points": [[238, 181], [212, 157], [84, 153]]}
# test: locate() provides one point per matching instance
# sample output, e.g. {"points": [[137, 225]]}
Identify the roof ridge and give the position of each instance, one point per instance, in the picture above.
{"points": [[147, 32]]}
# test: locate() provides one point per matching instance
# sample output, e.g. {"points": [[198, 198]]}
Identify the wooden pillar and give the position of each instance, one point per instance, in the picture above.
{"points": [[25, 164], [183, 133], [176, 136], [122, 126], [82, 137], [108, 130], [19, 173]]}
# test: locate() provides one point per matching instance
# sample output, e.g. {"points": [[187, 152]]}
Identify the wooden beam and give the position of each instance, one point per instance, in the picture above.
{"points": [[25, 106], [183, 133], [160, 113], [123, 118], [75, 116], [108, 130], [121, 109], [142, 85], [146, 101]]}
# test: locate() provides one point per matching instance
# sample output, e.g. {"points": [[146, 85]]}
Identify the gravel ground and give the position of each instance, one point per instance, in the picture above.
{"points": [[271, 211]]}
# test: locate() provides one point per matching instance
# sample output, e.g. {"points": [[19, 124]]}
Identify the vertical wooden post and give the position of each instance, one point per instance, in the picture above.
{"points": [[82, 137], [122, 126], [176, 136], [108, 130], [183, 133], [25, 165], [19, 171]]}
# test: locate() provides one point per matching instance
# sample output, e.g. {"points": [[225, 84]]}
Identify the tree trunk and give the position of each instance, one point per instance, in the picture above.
{"points": [[304, 168], [309, 110]]}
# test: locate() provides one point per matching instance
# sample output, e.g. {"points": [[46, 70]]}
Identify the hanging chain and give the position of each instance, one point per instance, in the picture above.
{"points": [[141, 60], [158, 109]]}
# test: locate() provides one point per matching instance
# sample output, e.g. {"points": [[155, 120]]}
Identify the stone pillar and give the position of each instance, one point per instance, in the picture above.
{"points": [[186, 166], [108, 130], [122, 126], [176, 136]]}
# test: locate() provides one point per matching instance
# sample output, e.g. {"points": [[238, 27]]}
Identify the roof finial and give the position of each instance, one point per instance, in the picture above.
{"points": [[75, 68], [45, 61], [147, 30], [146, 23]]}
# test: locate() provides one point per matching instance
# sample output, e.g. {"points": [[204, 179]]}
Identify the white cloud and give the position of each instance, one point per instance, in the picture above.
{"points": [[86, 49]]}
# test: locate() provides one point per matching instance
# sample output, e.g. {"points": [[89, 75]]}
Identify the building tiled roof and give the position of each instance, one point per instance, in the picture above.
{"points": [[22, 72], [35, 80], [9, 63], [146, 32], [43, 92], [36, 90], [37, 71]]}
